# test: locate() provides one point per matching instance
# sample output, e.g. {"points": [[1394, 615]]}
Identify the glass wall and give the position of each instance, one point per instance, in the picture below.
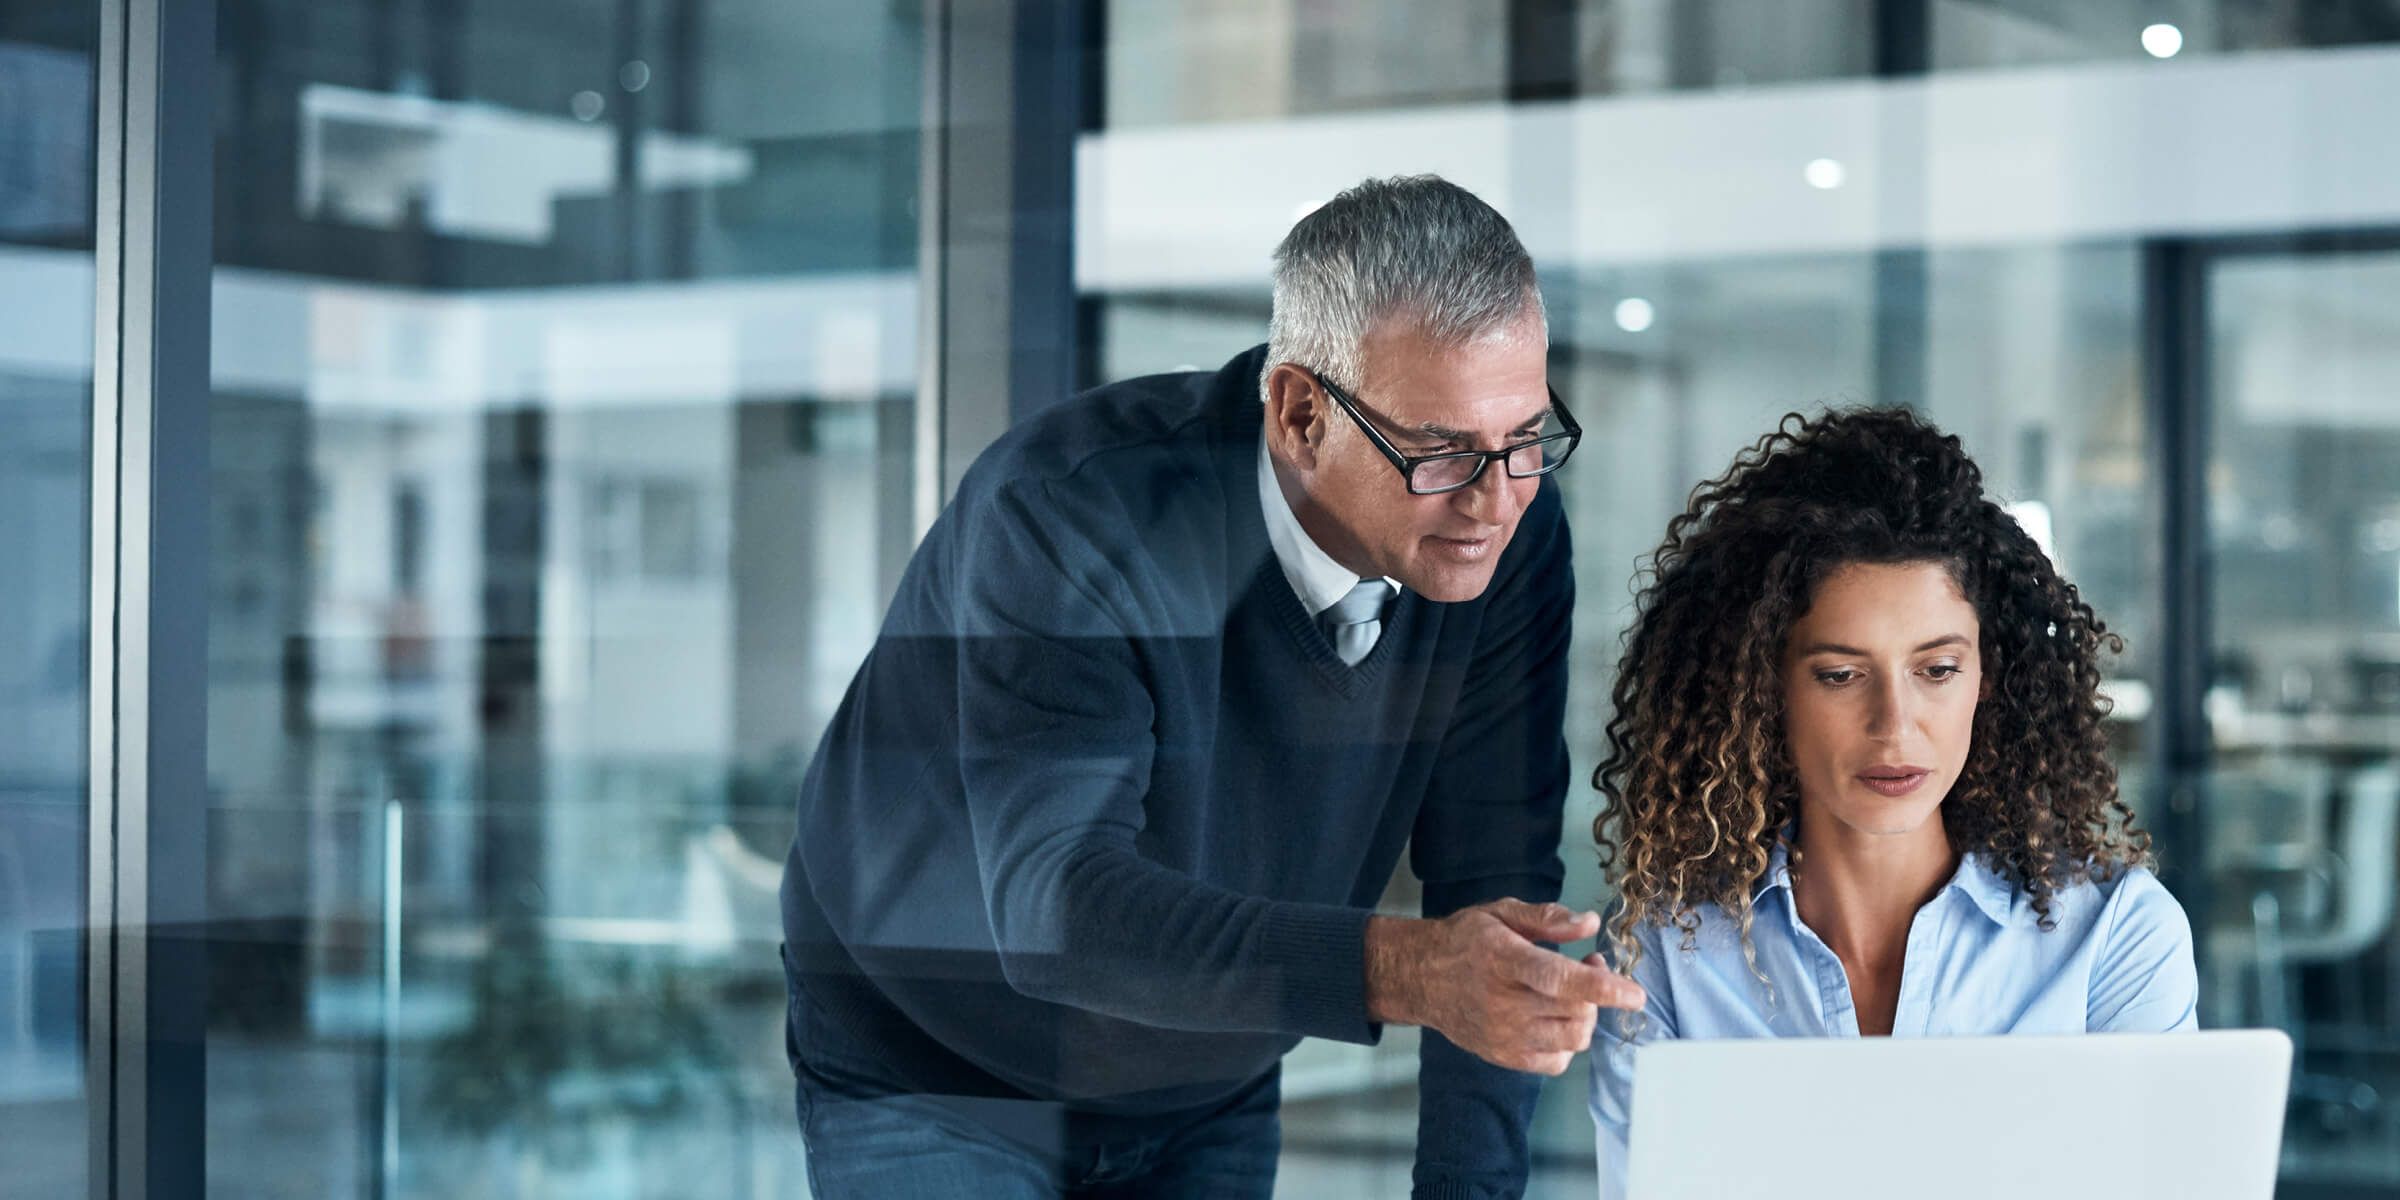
{"points": [[565, 451], [1737, 213], [47, 177], [564, 375]]}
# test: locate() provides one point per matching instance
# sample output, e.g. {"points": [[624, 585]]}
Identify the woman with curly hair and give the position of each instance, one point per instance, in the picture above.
{"points": [[1856, 778]]}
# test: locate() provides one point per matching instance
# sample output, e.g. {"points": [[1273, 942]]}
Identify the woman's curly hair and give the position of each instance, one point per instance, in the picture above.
{"points": [[1699, 781]]}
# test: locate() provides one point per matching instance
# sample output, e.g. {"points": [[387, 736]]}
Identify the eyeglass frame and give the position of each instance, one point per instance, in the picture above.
{"points": [[1570, 431]]}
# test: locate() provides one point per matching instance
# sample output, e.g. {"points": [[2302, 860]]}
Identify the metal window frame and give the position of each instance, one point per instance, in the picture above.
{"points": [[2174, 357], [1543, 49], [1000, 332], [145, 960], [1902, 282]]}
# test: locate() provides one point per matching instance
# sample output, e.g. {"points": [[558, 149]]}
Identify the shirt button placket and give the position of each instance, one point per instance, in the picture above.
{"points": [[1841, 1010], [1911, 1014]]}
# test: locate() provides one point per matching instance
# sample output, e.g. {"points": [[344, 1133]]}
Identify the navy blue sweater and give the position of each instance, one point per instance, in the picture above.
{"points": [[1103, 815]]}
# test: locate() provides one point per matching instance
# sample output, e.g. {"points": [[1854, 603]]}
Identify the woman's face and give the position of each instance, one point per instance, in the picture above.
{"points": [[1880, 680]]}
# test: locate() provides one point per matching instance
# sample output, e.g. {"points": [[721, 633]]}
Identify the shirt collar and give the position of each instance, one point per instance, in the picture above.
{"points": [[1992, 895], [1313, 574], [1779, 873], [1997, 897]]}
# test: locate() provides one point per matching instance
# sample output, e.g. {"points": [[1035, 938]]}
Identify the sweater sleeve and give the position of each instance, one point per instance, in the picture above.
{"points": [[1490, 828], [1056, 743]]}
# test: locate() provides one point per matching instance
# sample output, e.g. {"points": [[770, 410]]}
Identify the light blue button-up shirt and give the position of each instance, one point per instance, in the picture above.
{"points": [[2119, 959]]}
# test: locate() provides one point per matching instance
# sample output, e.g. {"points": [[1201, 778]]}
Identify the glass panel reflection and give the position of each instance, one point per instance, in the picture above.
{"points": [[47, 159], [564, 375], [1266, 59], [1997, 33]]}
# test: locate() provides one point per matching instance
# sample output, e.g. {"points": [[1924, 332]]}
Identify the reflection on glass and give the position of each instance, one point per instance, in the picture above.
{"points": [[2303, 801], [2031, 358], [47, 158], [1173, 63], [2029, 353], [1263, 59], [1999, 33], [563, 371]]}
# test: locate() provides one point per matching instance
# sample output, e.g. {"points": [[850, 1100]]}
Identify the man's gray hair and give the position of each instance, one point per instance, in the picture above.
{"points": [[1414, 247]]}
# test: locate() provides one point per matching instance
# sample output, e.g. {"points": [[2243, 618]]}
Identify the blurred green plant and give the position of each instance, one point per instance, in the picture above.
{"points": [[566, 1039]]}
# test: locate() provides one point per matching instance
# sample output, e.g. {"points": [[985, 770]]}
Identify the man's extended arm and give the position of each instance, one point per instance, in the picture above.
{"points": [[1057, 729], [1490, 829]]}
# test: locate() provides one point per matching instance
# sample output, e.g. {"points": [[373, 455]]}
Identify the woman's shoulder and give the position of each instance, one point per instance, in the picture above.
{"points": [[2136, 943], [2108, 900], [2138, 904]]}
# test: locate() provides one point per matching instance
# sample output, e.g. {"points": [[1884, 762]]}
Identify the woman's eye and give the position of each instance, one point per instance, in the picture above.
{"points": [[1836, 678], [1942, 671]]}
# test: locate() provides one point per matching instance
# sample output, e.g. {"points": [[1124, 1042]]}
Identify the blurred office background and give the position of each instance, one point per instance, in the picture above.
{"points": [[578, 374]]}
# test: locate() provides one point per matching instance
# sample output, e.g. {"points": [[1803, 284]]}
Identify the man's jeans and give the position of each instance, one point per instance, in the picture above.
{"points": [[868, 1141]]}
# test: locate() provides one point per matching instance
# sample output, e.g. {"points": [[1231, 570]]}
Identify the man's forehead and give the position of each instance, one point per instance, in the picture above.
{"points": [[1459, 400], [1404, 349], [1496, 383]]}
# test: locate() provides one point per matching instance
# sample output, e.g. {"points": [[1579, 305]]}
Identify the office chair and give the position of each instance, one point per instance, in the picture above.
{"points": [[2306, 859]]}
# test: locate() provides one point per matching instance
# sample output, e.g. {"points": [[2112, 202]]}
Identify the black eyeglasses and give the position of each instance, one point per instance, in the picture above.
{"points": [[1433, 474]]}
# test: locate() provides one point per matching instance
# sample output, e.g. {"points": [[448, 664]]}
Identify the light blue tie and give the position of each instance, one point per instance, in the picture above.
{"points": [[1354, 622]]}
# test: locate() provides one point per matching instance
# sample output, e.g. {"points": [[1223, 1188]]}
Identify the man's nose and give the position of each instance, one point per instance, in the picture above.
{"points": [[1493, 498]]}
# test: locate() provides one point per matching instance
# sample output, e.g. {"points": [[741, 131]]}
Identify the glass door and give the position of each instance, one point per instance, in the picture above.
{"points": [[2302, 803]]}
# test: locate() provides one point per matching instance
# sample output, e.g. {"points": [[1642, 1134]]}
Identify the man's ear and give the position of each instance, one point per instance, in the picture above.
{"points": [[1295, 415]]}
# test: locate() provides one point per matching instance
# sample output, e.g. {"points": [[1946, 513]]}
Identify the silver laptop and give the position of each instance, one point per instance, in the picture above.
{"points": [[2176, 1116]]}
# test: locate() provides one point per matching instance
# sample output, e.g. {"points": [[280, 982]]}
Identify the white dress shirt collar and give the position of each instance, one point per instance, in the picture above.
{"points": [[1314, 575]]}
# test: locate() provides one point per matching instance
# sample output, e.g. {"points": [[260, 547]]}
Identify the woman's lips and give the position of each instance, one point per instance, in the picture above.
{"points": [[1894, 782]]}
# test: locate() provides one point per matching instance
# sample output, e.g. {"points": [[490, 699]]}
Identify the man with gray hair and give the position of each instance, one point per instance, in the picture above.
{"points": [[1097, 834]]}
